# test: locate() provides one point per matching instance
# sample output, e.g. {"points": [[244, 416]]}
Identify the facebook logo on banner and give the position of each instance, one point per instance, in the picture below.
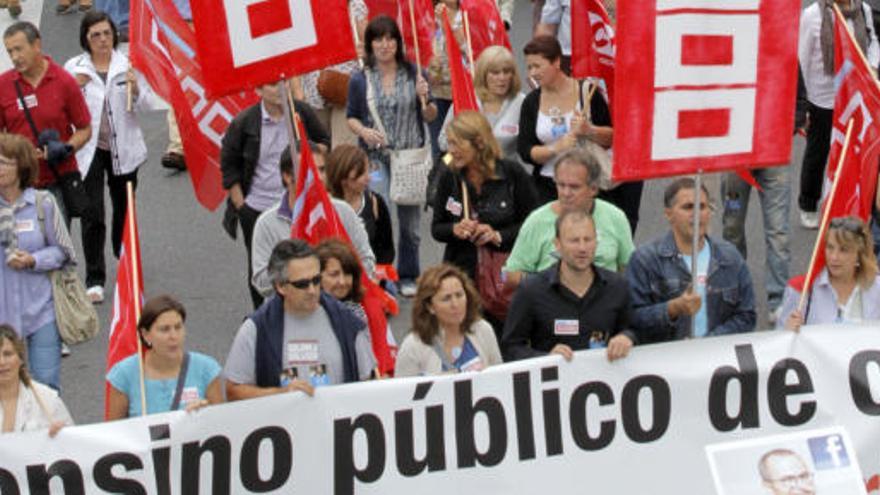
{"points": [[828, 452]]}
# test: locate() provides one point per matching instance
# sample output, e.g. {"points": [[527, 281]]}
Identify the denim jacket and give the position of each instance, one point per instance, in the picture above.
{"points": [[656, 273]]}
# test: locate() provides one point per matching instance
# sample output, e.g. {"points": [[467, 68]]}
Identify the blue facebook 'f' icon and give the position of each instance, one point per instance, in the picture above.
{"points": [[828, 452]]}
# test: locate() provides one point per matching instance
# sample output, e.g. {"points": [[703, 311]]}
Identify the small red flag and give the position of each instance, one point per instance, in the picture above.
{"points": [[486, 26], [463, 96], [315, 219], [592, 42], [423, 13], [127, 297]]}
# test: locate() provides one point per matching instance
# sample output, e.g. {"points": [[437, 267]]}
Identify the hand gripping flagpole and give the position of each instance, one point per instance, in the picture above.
{"points": [[135, 288], [826, 213]]}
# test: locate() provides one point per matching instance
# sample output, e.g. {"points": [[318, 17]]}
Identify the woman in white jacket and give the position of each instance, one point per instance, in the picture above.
{"points": [[117, 147]]}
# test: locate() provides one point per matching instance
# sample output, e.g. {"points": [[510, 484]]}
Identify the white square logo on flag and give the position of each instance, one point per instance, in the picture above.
{"points": [[697, 108]]}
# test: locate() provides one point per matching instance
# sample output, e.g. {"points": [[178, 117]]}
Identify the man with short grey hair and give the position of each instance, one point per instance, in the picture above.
{"points": [[300, 338]]}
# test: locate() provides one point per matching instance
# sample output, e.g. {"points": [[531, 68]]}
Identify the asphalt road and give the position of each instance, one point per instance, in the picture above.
{"points": [[186, 253]]}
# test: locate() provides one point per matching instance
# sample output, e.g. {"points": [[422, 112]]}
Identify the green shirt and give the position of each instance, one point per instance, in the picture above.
{"points": [[534, 249]]}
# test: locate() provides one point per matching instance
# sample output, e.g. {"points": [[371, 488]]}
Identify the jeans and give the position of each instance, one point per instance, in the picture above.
{"points": [[408, 218], [94, 229], [44, 355], [775, 204]]}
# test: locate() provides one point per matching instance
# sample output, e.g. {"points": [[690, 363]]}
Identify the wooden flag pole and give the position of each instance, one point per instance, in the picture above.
{"points": [[854, 43], [129, 90], [290, 118], [357, 41], [470, 46], [415, 35], [465, 200], [695, 247], [826, 213], [135, 286]]}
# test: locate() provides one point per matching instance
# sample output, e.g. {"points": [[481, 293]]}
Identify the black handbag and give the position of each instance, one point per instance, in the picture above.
{"points": [[73, 191]]}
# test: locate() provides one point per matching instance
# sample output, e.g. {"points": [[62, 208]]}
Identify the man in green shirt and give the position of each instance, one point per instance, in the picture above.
{"points": [[577, 176]]}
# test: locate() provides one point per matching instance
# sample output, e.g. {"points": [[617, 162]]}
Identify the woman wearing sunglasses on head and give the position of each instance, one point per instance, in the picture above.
{"points": [[847, 290]]}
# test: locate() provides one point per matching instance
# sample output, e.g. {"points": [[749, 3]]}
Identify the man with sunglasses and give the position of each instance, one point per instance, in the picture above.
{"points": [[300, 338], [667, 304]]}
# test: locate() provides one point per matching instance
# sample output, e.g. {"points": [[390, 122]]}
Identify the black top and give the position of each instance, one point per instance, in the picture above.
{"points": [[504, 203], [542, 307], [377, 223], [528, 123]]}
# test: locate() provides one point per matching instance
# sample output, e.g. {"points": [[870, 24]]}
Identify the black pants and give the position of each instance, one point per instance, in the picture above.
{"points": [[94, 230], [815, 156], [247, 216], [627, 197]]}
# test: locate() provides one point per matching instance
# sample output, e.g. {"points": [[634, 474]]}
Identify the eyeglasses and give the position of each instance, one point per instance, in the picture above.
{"points": [[6, 162], [97, 34], [305, 283], [850, 224]]}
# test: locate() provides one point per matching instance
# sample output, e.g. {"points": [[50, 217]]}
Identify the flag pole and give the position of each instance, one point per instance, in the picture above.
{"points": [[129, 91], [135, 282], [467, 35], [357, 40], [826, 213], [415, 35], [290, 119], [695, 247]]}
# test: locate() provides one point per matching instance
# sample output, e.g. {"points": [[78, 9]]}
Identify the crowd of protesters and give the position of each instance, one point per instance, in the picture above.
{"points": [[539, 255]]}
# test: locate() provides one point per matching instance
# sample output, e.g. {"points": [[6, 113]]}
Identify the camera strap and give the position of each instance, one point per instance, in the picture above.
{"points": [[30, 119]]}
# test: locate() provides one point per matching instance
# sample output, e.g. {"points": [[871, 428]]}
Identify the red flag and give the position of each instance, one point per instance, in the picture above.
{"points": [[592, 42], [127, 297], [315, 219], [857, 99], [244, 44], [463, 96], [423, 12], [485, 24], [162, 48], [685, 99]]}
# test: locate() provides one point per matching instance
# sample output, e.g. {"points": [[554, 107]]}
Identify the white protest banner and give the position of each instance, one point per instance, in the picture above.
{"points": [[541, 426]]}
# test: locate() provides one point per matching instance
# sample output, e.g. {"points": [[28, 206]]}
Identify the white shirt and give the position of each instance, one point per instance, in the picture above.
{"points": [[819, 84]]}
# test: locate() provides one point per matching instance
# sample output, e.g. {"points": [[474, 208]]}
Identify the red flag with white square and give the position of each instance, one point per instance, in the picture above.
{"points": [[243, 44], [163, 50], [592, 42], [703, 85]]}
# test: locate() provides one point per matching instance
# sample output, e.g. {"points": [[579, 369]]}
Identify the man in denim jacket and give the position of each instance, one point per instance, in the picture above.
{"points": [[664, 299]]}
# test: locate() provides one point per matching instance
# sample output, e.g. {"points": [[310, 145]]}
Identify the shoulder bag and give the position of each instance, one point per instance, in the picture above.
{"points": [[75, 315], [602, 156], [409, 167], [73, 191]]}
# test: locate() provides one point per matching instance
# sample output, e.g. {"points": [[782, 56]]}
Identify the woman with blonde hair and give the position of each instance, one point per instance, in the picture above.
{"points": [[25, 404], [448, 335], [481, 199], [847, 290], [497, 85]]}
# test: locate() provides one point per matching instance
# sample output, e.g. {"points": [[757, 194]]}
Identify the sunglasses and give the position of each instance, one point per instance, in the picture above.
{"points": [[849, 224], [305, 283]]}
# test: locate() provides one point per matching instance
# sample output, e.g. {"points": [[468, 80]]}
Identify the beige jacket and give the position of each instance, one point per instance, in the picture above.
{"points": [[416, 358]]}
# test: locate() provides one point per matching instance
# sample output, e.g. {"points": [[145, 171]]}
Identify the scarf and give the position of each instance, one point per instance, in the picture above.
{"points": [[854, 13]]}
